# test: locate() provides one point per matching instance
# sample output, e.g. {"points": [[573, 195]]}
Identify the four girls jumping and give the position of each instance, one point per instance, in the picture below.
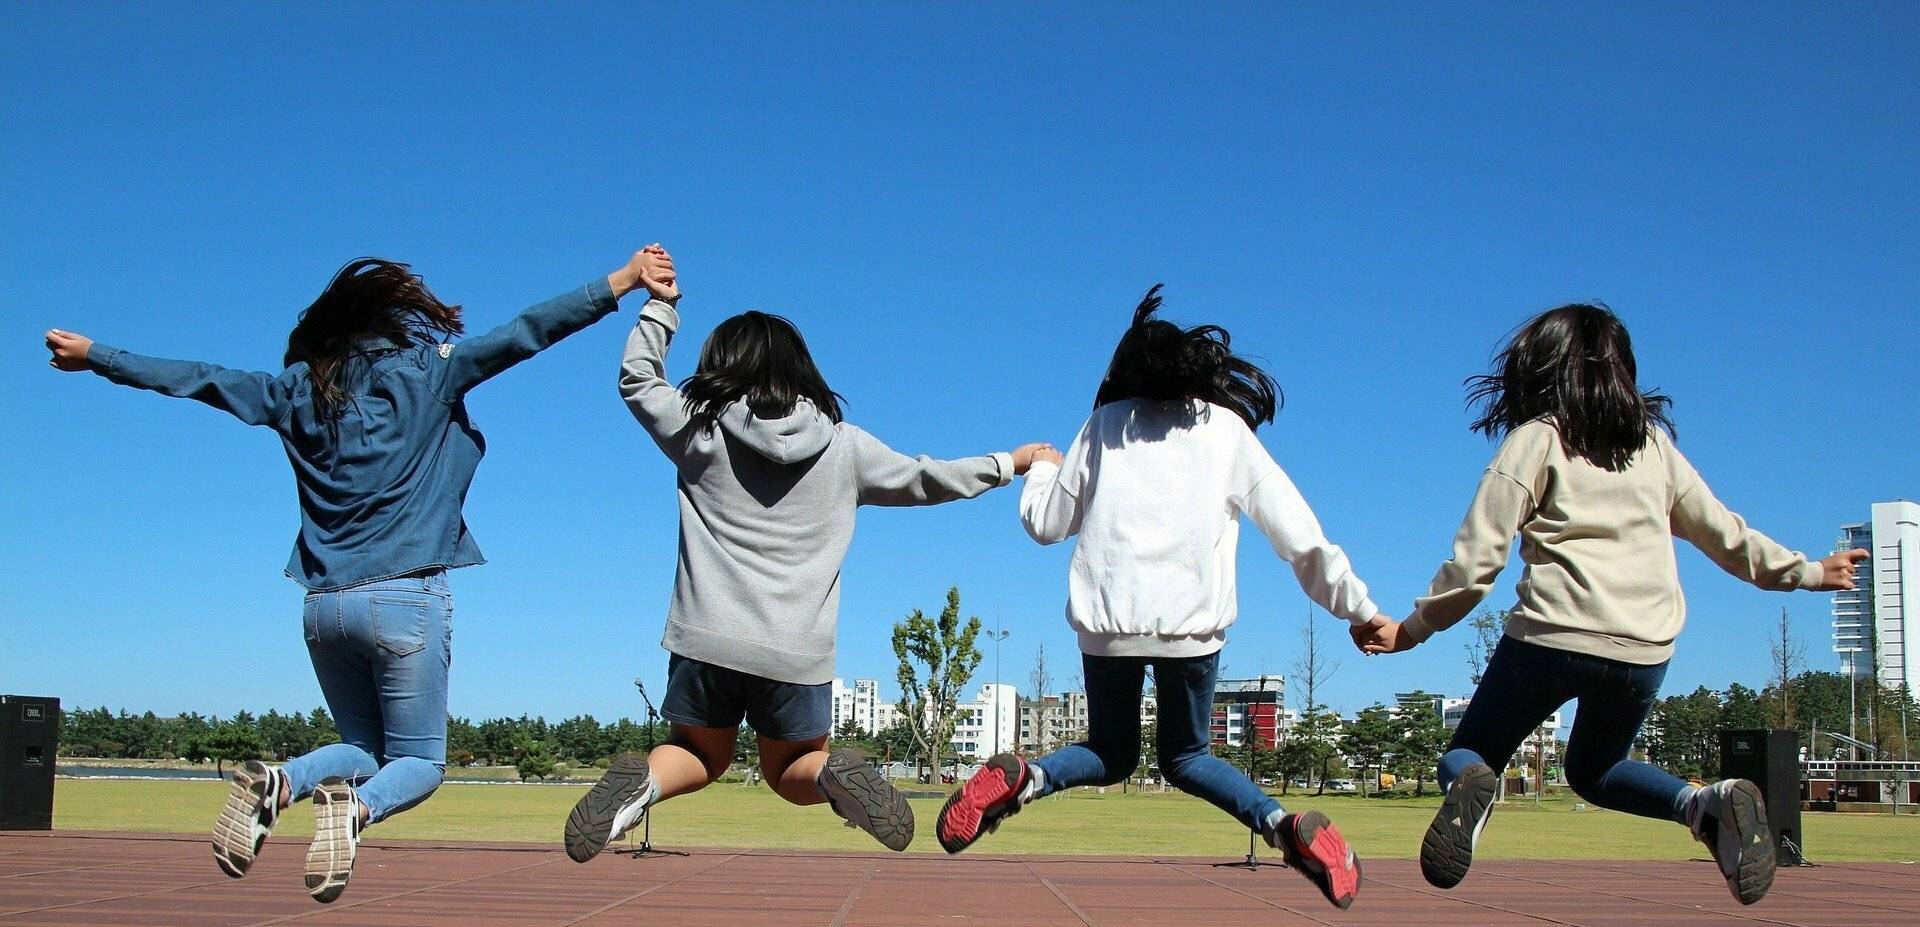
{"points": [[370, 409]]}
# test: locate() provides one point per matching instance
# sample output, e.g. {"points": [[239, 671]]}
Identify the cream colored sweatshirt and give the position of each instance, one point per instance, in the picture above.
{"points": [[1600, 575]]}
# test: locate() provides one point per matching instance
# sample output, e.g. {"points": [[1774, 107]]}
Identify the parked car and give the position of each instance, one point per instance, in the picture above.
{"points": [[1340, 785]]}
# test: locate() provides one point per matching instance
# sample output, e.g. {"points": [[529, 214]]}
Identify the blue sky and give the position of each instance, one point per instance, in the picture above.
{"points": [[959, 209]]}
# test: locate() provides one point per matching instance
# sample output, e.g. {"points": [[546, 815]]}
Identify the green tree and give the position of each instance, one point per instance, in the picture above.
{"points": [[1315, 740], [937, 659], [232, 742], [533, 759], [1684, 733], [1371, 739], [746, 747], [1423, 737]]}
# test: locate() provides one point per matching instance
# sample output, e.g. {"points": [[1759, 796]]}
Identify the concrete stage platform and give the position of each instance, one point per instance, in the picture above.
{"points": [[68, 878]]}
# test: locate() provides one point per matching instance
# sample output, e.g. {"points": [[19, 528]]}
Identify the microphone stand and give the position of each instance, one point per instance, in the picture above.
{"points": [[646, 847], [1252, 733]]}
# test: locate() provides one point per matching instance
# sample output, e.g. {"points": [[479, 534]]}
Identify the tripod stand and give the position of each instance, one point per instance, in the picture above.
{"points": [[646, 847]]}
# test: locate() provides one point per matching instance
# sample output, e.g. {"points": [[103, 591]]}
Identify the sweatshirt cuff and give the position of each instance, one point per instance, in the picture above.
{"points": [[1811, 573], [1416, 628], [662, 312], [1364, 613], [100, 357], [1042, 471], [1005, 462]]}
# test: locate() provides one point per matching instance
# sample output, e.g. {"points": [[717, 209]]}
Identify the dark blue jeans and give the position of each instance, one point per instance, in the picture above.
{"points": [[1525, 683], [1111, 751]]}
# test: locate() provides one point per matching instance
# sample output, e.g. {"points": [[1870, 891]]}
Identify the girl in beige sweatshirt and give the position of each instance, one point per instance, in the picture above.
{"points": [[1589, 479]]}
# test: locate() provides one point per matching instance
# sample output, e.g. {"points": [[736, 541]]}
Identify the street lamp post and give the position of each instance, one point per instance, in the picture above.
{"points": [[997, 635]]}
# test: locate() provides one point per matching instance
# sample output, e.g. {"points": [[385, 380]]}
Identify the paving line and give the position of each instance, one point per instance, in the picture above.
{"points": [[329, 908], [224, 880], [1778, 892], [1665, 904], [1057, 893], [649, 890], [1430, 893], [846, 907], [1266, 901]]}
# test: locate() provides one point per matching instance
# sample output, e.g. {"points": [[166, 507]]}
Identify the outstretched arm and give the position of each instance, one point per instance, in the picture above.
{"points": [[650, 396], [250, 396], [1701, 520], [888, 477], [1050, 503], [475, 360], [1321, 567]]}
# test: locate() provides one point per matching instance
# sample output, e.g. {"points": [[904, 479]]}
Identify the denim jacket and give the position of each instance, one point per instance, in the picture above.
{"points": [[381, 486]]}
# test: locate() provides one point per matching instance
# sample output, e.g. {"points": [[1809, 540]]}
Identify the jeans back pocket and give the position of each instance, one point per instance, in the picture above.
{"points": [[400, 625]]}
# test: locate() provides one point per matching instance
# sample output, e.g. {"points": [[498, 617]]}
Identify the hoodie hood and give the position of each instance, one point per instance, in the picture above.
{"points": [[791, 438]]}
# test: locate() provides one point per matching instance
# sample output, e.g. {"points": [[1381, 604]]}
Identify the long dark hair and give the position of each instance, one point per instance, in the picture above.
{"points": [[1574, 365], [1158, 360], [762, 359], [369, 299]]}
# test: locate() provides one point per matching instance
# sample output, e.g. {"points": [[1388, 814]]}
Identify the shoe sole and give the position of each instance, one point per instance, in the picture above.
{"points": [[590, 824], [330, 858], [1446, 853], [1338, 876], [960, 825], [888, 816], [235, 843], [1752, 841]]}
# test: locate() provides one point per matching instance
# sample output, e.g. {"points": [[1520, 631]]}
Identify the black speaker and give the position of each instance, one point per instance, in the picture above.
{"points": [[1770, 760], [29, 738]]}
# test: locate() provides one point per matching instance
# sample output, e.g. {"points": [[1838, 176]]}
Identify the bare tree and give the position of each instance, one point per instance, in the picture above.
{"points": [[1487, 626], [1788, 654], [1311, 671], [1042, 681]]}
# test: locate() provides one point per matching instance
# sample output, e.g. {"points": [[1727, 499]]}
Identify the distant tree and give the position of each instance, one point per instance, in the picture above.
{"points": [[1042, 680], [1371, 739], [1423, 737], [1788, 655], [937, 659], [533, 759], [746, 748], [1685, 738], [232, 742], [1742, 707], [1488, 624], [1318, 728]]}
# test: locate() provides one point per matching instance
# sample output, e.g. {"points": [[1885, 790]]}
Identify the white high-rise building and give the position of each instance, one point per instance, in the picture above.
{"points": [[989, 724], [858, 704], [1869, 623]]}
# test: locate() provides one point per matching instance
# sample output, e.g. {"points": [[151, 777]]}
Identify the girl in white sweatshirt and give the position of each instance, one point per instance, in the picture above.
{"points": [[1154, 486]]}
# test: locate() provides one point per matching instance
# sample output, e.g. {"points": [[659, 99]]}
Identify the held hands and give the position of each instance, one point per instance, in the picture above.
{"points": [[650, 267], [1836, 571], [69, 350], [1026, 454], [1381, 635]]}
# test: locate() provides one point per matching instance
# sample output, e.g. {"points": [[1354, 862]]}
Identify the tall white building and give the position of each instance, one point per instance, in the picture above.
{"points": [[1869, 623], [989, 724], [1051, 722], [858, 704]]}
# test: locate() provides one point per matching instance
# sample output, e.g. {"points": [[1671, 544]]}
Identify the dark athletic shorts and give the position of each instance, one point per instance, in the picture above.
{"points": [[705, 695]]}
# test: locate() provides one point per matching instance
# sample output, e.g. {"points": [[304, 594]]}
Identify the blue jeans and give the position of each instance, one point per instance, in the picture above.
{"points": [[381, 651], [1111, 751], [1524, 683]]}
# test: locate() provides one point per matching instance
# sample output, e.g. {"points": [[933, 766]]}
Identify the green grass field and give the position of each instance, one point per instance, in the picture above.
{"points": [[1081, 822]]}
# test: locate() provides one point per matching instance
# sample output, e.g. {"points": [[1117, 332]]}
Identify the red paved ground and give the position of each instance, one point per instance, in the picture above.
{"points": [[128, 879]]}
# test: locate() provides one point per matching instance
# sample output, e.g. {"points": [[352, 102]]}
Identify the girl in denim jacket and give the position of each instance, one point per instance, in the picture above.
{"points": [[371, 410]]}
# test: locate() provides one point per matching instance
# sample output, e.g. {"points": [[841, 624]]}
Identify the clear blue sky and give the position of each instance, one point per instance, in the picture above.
{"points": [[959, 209]]}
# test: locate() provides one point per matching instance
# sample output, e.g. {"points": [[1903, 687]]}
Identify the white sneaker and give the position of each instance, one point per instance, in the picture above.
{"points": [[1730, 817], [253, 805], [611, 808], [336, 839]]}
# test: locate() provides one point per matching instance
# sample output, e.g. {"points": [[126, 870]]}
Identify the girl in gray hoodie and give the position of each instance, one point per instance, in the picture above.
{"points": [[769, 477]]}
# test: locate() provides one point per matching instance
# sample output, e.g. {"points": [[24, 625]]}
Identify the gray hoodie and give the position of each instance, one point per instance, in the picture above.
{"points": [[766, 514]]}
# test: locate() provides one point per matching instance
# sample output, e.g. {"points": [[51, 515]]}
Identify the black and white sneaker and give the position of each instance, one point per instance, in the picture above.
{"points": [[336, 839], [253, 805], [1447, 851], [1730, 817], [858, 793], [610, 808]]}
